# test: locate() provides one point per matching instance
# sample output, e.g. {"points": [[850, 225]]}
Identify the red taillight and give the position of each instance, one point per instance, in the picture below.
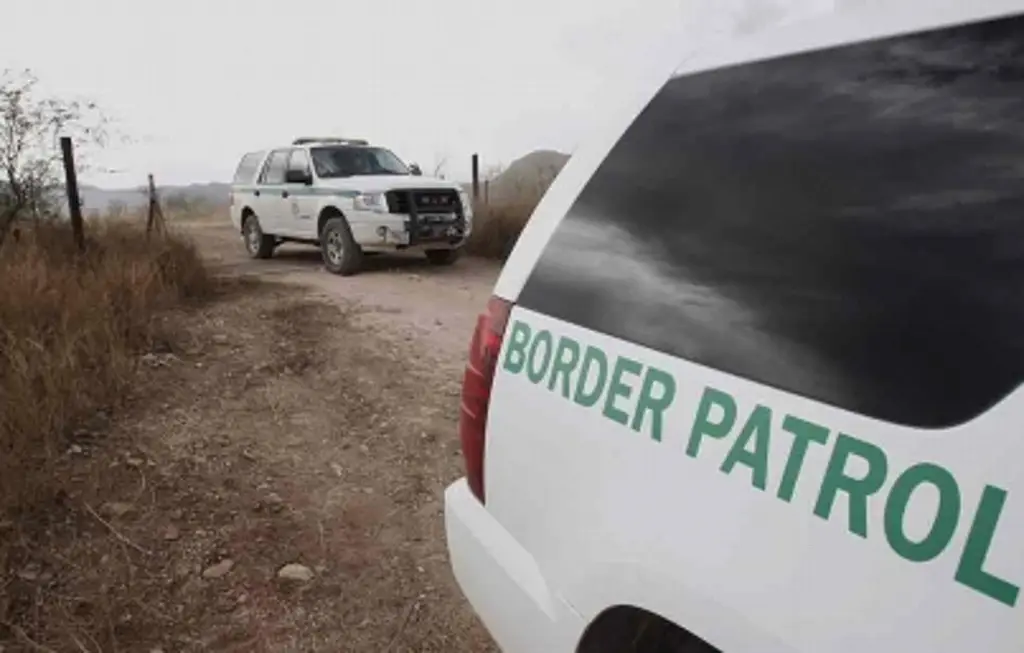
{"points": [[476, 388]]}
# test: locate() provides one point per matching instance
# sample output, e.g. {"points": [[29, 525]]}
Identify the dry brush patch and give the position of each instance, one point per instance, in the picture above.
{"points": [[497, 226], [496, 229], [71, 326]]}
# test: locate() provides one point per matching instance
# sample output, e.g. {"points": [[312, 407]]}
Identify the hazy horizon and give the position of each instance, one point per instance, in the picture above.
{"points": [[192, 85]]}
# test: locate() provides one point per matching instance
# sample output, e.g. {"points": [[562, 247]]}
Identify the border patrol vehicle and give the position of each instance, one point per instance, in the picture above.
{"points": [[750, 380], [349, 198]]}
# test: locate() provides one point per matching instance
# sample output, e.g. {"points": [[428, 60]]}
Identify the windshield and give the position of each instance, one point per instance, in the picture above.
{"points": [[344, 161]]}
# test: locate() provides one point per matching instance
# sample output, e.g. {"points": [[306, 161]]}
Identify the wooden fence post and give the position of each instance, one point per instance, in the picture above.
{"points": [[71, 184], [156, 214], [476, 177]]}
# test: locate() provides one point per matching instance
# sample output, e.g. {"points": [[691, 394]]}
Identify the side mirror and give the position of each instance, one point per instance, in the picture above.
{"points": [[298, 177], [415, 170]]}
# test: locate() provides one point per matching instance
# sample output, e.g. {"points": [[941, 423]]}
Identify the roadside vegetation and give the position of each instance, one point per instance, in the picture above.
{"points": [[72, 327], [497, 225], [72, 323]]}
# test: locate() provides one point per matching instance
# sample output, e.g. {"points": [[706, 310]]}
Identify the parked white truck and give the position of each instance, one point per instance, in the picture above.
{"points": [[346, 197]]}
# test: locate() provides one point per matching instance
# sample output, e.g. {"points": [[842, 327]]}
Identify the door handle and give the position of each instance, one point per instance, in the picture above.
{"points": [[284, 193]]}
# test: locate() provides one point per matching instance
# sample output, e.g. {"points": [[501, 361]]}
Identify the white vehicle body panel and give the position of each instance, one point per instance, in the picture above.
{"points": [[612, 517], [584, 513]]}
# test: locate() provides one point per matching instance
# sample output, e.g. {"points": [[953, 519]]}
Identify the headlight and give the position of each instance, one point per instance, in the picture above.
{"points": [[370, 202], [467, 203]]}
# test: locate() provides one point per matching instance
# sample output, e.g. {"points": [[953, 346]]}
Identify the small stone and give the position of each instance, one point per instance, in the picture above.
{"points": [[30, 573], [221, 339], [296, 572], [117, 509], [337, 469], [75, 449], [171, 533], [132, 461], [219, 570]]}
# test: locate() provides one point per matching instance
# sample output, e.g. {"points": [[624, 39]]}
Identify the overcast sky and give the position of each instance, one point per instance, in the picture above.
{"points": [[196, 83]]}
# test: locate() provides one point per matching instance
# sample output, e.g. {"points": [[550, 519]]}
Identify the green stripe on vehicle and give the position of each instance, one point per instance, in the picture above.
{"points": [[301, 191]]}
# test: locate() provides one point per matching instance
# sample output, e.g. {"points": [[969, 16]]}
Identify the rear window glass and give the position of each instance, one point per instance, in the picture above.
{"points": [[247, 167], [846, 224], [274, 168]]}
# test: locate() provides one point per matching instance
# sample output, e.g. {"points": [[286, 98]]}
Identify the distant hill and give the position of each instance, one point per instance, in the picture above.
{"points": [[102, 200], [526, 178]]}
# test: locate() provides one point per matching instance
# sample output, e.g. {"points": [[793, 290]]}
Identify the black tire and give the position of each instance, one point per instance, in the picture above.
{"points": [[442, 256], [341, 253], [628, 631], [257, 243]]}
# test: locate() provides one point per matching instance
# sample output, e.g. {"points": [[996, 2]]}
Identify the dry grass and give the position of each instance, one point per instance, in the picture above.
{"points": [[497, 226], [496, 229], [70, 328]]}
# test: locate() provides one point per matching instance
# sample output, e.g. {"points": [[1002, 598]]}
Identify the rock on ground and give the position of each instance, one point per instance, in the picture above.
{"points": [[220, 569], [295, 572]]}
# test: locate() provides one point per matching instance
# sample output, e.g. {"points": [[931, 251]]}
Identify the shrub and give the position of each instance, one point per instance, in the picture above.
{"points": [[496, 227], [70, 327]]}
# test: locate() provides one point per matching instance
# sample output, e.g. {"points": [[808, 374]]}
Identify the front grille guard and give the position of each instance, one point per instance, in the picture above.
{"points": [[414, 225]]}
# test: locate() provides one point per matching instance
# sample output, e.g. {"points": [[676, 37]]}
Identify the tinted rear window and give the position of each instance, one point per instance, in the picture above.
{"points": [[274, 168], [247, 167], [846, 224]]}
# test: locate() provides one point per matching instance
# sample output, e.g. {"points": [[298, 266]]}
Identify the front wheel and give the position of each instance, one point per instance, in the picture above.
{"points": [[257, 243], [442, 256], [341, 253]]}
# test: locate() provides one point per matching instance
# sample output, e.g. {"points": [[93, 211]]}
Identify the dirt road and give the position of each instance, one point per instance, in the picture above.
{"points": [[301, 419], [437, 306]]}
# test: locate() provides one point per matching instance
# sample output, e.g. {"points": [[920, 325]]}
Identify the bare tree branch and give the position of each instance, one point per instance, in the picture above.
{"points": [[440, 165], [30, 129]]}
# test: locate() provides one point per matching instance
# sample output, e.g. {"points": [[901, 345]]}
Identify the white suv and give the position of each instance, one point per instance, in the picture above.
{"points": [[347, 197], [750, 380]]}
